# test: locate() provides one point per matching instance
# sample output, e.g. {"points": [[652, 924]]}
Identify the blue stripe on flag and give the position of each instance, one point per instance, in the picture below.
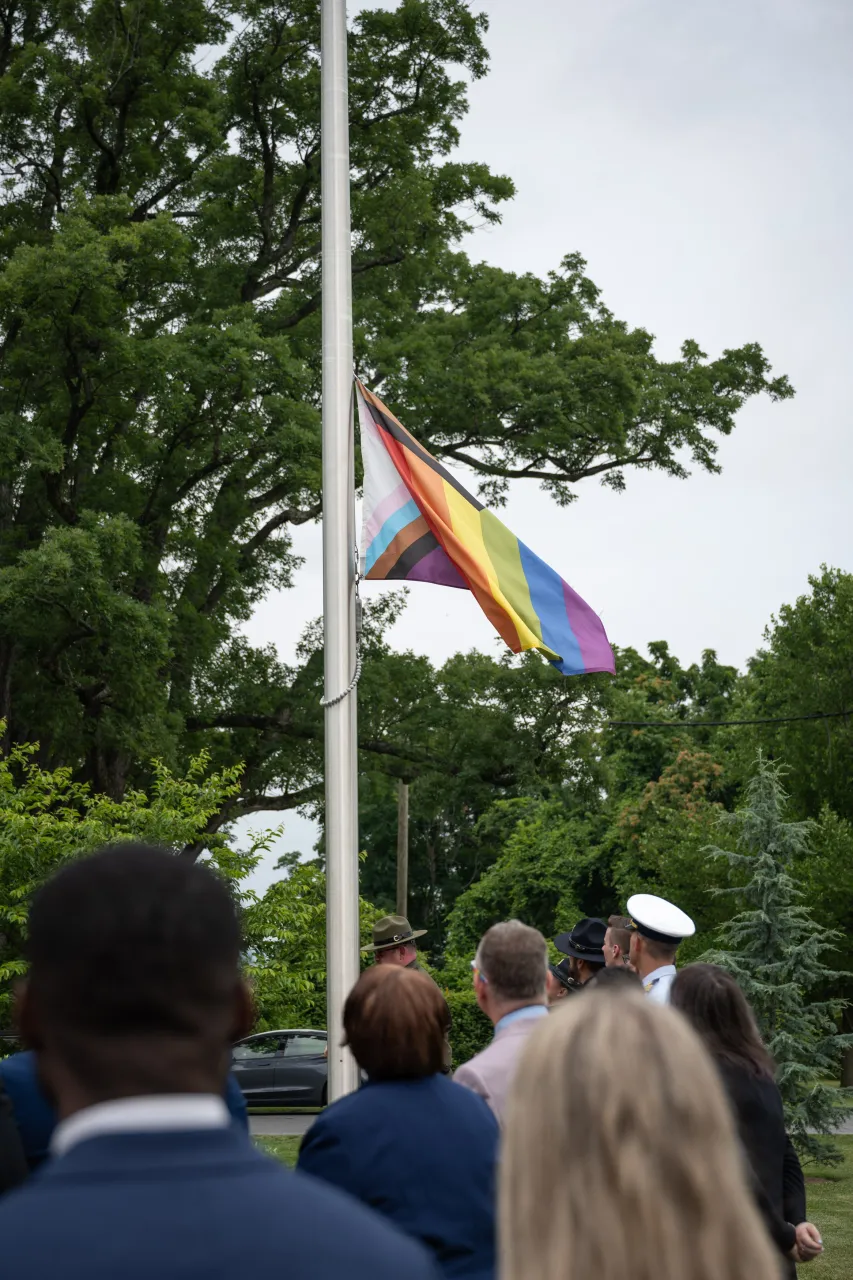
{"points": [[546, 594], [385, 536]]}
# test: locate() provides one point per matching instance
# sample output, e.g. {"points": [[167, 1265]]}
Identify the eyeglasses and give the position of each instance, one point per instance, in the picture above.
{"points": [[478, 973]]}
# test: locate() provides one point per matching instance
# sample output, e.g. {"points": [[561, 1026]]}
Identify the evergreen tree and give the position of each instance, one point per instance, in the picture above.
{"points": [[775, 950]]}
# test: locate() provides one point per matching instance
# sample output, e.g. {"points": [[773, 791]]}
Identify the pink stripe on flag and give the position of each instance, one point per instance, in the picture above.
{"points": [[395, 500]]}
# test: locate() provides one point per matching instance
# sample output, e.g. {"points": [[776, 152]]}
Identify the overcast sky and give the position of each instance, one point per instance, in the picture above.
{"points": [[699, 156]]}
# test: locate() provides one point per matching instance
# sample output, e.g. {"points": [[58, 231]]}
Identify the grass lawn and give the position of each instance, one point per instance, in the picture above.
{"points": [[284, 1149], [830, 1206], [284, 1111]]}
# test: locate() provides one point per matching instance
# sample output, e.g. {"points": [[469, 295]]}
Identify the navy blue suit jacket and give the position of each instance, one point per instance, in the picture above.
{"points": [[422, 1152], [203, 1205], [36, 1117]]}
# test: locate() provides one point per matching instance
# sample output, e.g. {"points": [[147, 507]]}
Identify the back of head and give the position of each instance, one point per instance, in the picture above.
{"points": [[713, 1003], [395, 1022], [615, 979], [613, 1172], [132, 946], [514, 960]]}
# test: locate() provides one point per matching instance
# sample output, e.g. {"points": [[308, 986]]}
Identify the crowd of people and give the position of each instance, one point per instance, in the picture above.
{"points": [[623, 1119]]}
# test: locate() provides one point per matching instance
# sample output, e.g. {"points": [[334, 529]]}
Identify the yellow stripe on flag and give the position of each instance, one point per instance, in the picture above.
{"points": [[469, 530]]}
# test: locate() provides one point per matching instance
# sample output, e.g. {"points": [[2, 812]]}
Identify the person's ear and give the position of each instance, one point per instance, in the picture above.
{"points": [[25, 1016], [244, 1011]]}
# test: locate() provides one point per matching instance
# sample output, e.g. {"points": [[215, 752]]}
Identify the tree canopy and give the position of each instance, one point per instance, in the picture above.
{"points": [[160, 360]]}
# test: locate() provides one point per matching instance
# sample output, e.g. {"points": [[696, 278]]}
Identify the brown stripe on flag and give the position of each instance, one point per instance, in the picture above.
{"points": [[403, 540]]}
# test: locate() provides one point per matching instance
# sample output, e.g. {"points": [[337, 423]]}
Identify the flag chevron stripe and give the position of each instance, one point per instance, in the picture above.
{"points": [[413, 555], [391, 527], [420, 524], [384, 564]]}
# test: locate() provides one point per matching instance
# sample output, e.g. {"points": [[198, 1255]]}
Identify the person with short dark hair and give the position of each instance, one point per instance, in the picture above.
{"points": [[620, 978], [713, 1003], [133, 1000], [510, 984], [617, 942], [411, 1143]]}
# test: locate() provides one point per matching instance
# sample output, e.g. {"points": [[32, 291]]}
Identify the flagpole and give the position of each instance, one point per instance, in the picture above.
{"points": [[341, 820]]}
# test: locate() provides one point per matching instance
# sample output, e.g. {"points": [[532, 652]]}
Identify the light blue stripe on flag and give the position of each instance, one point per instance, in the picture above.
{"points": [[396, 521]]}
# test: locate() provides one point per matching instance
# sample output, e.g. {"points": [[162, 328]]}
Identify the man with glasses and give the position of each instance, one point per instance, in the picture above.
{"points": [[509, 971]]}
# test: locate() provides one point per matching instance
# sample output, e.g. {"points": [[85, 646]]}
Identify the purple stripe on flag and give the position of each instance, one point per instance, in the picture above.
{"points": [[437, 567], [589, 633]]}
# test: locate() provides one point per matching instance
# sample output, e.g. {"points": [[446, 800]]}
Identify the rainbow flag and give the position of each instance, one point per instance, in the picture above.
{"points": [[420, 525]]}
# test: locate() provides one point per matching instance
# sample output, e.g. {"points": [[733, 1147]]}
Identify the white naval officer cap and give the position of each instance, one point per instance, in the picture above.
{"points": [[662, 921]]}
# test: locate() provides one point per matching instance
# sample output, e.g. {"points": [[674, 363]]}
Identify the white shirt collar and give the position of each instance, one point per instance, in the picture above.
{"points": [[155, 1113], [665, 971]]}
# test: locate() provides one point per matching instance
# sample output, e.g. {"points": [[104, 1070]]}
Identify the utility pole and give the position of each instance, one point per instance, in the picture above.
{"points": [[402, 848]]}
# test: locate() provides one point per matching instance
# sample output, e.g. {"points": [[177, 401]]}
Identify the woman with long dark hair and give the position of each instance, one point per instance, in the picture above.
{"points": [[718, 1010]]}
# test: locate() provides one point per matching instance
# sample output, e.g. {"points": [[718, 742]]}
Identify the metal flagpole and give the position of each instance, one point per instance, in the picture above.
{"points": [[338, 547]]}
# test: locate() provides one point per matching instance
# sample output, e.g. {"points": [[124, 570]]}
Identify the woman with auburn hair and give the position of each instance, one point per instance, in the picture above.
{"points": [[620, 1155], [714, 1005], [411, 1144]]}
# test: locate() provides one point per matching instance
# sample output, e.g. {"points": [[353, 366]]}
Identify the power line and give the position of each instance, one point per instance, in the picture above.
{"points": [[706, 724]]}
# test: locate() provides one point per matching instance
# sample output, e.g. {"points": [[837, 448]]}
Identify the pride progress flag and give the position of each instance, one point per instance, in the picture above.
{"points": [[421, 525]]}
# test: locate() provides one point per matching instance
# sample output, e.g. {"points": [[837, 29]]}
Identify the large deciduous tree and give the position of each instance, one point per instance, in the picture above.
{"points": [[806, 669], [160, 357]]}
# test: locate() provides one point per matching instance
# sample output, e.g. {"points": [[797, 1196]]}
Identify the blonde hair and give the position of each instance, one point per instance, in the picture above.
{"points": [[620, 1156]]}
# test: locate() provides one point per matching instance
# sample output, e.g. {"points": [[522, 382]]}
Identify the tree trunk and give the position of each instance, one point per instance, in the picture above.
{"points": [[847, 1057], [402, 847]]}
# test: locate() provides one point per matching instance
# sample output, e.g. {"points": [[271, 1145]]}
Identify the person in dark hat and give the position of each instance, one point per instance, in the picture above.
{"points": [[394, 943], [584, 945], [560, 982]]}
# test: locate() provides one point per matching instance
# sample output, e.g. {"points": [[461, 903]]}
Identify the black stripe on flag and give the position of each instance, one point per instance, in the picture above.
{"points": [[413, 554]]}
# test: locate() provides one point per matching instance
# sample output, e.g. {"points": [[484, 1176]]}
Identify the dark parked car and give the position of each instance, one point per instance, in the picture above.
{"points": [[282, 1068]]}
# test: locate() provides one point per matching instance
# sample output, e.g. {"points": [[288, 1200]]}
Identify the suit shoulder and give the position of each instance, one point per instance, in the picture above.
{"points": [[285, 1213]]}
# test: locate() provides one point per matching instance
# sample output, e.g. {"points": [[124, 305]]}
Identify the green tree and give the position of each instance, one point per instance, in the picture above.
{"points": [[47, 818], [160, 350], [826, 875], [542, 876], [285, 939], [806, 668], [775, 949], [659, 843], [482, 732]]}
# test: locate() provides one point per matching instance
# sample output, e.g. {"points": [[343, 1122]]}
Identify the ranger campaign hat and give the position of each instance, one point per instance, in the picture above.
{"points": [[662, 921], [584, 942], [565, 979], [392, 931]]}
